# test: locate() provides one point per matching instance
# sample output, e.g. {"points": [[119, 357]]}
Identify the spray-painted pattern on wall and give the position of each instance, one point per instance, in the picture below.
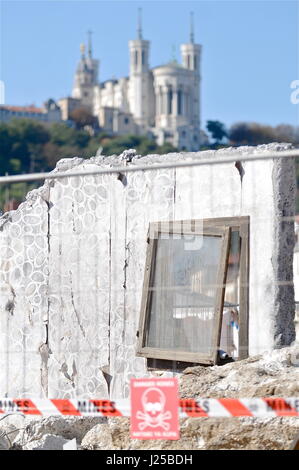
{"points": [[72, 266]]}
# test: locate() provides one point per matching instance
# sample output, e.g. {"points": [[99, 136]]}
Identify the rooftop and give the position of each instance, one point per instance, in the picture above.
{"points": [[23, 109]]}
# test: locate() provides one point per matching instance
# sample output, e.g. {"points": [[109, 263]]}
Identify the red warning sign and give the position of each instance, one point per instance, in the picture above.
{"points": [[154, 409]]}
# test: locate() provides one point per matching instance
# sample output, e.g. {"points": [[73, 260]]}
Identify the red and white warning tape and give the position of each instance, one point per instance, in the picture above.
{"points": [[203, 407]]}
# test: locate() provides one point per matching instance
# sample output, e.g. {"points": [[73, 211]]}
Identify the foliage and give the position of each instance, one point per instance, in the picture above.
{"points": [[82, 118], [21, 144], [30, 146], [252, 133], [114, 146], [217, 130]]}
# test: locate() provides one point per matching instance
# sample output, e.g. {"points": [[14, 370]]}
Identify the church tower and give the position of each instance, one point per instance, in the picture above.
{"points": [[191, 54], [86, 77], [141, 93]]}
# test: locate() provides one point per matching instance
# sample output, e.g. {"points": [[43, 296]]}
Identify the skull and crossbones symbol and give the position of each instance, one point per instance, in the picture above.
{"points": [[153, 403]]}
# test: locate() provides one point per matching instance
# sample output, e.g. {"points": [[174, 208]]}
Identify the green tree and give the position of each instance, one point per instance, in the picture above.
{"points": [[82, 118], [166, 148], [117, 145], [251, 133], [217, 130], [23, 140], [63, 135], [287, 133], [142, 144], [5, 148]]}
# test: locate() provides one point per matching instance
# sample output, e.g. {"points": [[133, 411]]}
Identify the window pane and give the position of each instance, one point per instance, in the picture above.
{"points": [[169, 101], [183, 293], [230, 322], [233, 270], [179, 102]]}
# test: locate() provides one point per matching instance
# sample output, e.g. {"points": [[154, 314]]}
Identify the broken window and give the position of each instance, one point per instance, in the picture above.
{"points": [[195, 295]]}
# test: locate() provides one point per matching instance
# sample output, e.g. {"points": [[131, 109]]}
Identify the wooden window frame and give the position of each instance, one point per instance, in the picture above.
{"points": [[213, 227]]}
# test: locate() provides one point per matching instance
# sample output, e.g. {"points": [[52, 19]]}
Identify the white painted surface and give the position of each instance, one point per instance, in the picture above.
{"points": [[73, 259], [140, 103]]}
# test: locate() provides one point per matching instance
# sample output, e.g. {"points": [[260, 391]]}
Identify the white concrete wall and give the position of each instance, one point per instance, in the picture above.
{"points": [[73, 258], [296, 285]]}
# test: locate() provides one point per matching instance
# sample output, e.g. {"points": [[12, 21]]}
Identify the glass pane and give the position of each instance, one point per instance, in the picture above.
{"points": [[233, 270], [183, 293], [229, 342]]}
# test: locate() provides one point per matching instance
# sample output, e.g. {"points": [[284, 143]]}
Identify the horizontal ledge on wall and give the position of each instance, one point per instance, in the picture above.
{"points": [[159, 166]]}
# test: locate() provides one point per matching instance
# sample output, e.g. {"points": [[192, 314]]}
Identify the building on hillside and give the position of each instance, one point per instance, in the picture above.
{"points": [[163, 102], [49, 113]]}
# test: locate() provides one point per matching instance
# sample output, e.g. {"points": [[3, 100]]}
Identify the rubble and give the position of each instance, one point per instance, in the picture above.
{"points": [[98, 438], [276, 373], [201, 434], [47, 442], [67, 427], [4, 443], [273, 374]]}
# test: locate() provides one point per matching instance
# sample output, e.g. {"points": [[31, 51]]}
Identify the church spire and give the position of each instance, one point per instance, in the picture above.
{"points": [[192, 27], [89, 33], [82, 50], [139, 28]]}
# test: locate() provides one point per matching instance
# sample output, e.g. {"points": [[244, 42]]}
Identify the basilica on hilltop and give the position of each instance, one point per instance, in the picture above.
{"points": [[162, 102]]}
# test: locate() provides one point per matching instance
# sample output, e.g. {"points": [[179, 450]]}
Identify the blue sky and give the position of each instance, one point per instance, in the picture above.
{"points": [[250, 49]]}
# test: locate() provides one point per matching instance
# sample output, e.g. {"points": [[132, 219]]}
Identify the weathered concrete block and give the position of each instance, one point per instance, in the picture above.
{"points": [[98, 438], [73, 257], [66, 427], [47, 442]]}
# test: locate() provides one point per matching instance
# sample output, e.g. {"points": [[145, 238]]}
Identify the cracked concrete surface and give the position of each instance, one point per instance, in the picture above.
{"points": [[74, 255]]}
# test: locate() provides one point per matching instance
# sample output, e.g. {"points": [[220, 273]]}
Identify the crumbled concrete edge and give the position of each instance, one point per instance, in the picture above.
{"points": [[284, 186], [283, 179], [131, 158]]}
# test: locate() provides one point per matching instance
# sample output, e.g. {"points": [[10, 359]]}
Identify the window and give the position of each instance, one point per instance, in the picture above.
{"points": [[169, 101], [180, 99], [195, 293]]}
